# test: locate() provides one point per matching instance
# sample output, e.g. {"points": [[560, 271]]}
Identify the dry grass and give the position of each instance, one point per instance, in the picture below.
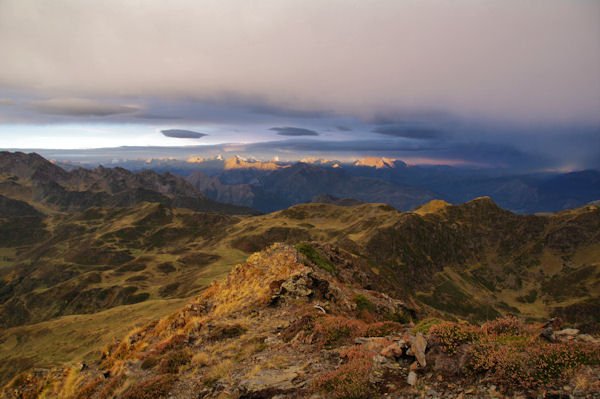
{"points": [[221, 370], [202, 359]]}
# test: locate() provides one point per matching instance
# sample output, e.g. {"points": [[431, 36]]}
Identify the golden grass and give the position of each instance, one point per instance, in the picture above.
{"points": [[221, 370], [432, 206], [202, 359], [77, 337]]}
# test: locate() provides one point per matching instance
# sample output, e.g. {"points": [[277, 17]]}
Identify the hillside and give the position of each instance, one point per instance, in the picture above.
{"points": [[472, 261], [295, 322], [517, 191], [31, 178]]}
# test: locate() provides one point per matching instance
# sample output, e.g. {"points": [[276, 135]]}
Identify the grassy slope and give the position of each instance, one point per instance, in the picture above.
{"points": [[74, 338], [177, 253]]}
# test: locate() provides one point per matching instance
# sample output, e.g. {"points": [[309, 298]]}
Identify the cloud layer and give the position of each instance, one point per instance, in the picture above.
{"points": [[78, 107], [294, 131], [407, 131], [534, 61]]}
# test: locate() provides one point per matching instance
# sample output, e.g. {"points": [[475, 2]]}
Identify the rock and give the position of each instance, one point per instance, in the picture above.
{"points": [[464, 355], [383, 366], [587, 338], [297, 286], [273, 379], [548, 334], [272, 341], [445, 365], [304, 285], [418, 344], [371, 344], [393, 350], [554, 323], [567, 333], [454, 365], [412, 378]]}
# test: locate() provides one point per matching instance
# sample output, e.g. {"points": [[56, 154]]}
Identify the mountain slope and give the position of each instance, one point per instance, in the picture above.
{"points": [[250, 195], [277, 188], [471, 261], [288, 322], [29, 177]]}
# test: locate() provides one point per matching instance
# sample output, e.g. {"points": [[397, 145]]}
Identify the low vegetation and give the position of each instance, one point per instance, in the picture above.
{"points": [[315, 257], [351, 380]]}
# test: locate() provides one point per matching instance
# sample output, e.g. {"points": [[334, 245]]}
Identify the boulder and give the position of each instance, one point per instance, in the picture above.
{"points": [[394, 350], [548, 334], [418, 344], [271, 379], [567, 333], [412, 378]]}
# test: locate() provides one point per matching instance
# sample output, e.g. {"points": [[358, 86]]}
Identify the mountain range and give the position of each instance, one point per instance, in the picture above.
{"points": [[88, 256], [386, 180]]}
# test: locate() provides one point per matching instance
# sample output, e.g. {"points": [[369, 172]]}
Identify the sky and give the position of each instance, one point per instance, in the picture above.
{"points": [[499, 83]]}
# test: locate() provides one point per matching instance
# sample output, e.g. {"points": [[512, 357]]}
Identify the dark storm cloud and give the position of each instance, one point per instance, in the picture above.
{"points": [[343, 128], [484, 154], [334, 67], [409, 132], [79, 107], [182, 134], [294, 131], [474, 153]]}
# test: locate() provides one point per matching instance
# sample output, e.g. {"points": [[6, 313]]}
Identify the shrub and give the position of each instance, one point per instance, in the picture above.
{"points": [[227, 331], [530, 297], [451, 335], [337, 330], [172, 361], [399, 317], [111, 386], [315, 257], [88, 389], [508, 325], [425, 325], [533, 364], [363, 303], [218, 371], [173, 342], [151, 388], [150, 362], [166, 268], [381, 329], [20, 379], [366, 316], [304, 323], [349, 381], [202, 359]]}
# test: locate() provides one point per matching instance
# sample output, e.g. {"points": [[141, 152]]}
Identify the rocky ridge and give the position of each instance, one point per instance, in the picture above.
{"points": [[281, 325]]}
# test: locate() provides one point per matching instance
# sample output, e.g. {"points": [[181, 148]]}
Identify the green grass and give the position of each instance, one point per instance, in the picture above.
{"points": [[315, 257], [6, 257], [363, 303]]}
